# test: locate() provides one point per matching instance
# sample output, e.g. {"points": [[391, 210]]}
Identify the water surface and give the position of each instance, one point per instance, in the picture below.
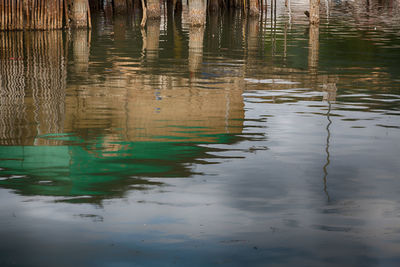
{"points": [[246, 142]]}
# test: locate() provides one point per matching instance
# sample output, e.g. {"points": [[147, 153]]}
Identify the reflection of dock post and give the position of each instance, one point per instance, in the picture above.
{"points": [[196, 36], [329, 88], [252, 37], [313, 48], [153, 38], [81, 50]]}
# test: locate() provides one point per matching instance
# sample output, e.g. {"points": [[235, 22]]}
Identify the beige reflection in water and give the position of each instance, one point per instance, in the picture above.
{"points": [[149, 112], [136, 105], [127, 104]]}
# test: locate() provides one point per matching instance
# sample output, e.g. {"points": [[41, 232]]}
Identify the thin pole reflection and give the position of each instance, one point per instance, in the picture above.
{"points": [[328, 161]]}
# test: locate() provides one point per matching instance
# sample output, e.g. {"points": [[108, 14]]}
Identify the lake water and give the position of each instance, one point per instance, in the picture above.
{"points": [[249, 142]]}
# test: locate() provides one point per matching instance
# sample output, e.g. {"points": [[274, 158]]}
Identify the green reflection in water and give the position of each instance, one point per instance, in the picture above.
{"points": [[92, 172]]}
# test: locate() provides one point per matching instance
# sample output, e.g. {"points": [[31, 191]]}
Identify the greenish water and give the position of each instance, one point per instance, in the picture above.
{"points": [[245, 143]]}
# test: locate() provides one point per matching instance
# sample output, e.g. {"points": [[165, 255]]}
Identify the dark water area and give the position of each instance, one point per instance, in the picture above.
{"points": [[248, 142]]}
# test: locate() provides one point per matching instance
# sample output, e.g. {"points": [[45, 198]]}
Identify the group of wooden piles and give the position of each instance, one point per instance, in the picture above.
{"points": [[32, 14], [43, 14], [56, 14]]}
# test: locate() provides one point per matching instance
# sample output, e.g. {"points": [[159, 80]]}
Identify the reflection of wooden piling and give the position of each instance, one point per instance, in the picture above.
{"points": [[252, 36], [153, 39], [81, 50], [329, 87], [196, 36], [313, 48], [33, 81]]}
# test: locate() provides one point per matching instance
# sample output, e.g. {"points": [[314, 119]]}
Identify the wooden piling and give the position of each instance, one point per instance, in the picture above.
{"points": [[253, 8], [153, 9], [197, 12], [314, 11]]}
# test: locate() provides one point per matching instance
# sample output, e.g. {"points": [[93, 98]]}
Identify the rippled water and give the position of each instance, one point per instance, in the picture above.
{"points": [[247, 142]]}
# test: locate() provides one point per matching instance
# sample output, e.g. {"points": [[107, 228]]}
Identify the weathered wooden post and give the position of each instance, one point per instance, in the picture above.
{"points": [[314, 11], [80, 13], [253, 8], [153, 9], [197, 12]]}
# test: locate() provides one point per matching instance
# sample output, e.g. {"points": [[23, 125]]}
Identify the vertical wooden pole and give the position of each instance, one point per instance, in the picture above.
{"points": [[21, 15], [66, 13], [49, 13], [144, 17], [79, 14], [6, 19], [197, 12], [153, 9], [27, 21], [9, 12], [1, 15], [254, 11], [88, 15], [41, 26], [60, 13], [12, 15], [53, 14], [33, 14], [314, 11], [16, 14]]}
